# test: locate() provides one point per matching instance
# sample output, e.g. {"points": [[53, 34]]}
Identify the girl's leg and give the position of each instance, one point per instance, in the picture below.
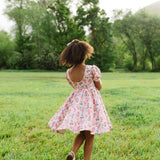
{"points": [[88, 145], [78, 142]]}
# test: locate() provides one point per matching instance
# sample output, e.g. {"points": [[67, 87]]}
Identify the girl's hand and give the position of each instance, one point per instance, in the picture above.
{"points": [[98, 84]]}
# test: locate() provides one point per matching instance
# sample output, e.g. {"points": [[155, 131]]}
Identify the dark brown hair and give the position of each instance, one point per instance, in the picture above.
{"points": [[76, 52]]}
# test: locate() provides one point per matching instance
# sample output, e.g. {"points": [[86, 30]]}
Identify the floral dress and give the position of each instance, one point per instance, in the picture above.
{"points": [[84, 108]]}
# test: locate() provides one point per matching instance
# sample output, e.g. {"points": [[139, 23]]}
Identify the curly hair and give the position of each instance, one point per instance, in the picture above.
{"points": [[76, 52]]}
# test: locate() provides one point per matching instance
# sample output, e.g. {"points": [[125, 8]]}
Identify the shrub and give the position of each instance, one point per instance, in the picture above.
{"points": [[128, 62], [47, 61], [14, 60], [158, 63], [6, 48]]}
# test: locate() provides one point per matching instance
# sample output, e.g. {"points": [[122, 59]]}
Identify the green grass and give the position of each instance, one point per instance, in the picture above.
{"points": [[29, 99]]}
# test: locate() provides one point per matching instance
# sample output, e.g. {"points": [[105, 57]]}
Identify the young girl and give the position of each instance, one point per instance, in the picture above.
{"points": [[84, 110]]}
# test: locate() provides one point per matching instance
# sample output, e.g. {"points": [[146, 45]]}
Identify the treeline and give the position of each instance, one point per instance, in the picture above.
{"points": [[44, 27]]}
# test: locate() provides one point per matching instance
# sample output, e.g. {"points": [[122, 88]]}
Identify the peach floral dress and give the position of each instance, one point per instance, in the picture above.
{"points": [[84, 108]]}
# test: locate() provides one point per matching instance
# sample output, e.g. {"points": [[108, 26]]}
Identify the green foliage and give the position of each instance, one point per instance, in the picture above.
{"points": [[158, 63], [148, 31], [43, 32], [6, 48], [120, 52], [89, 15], [44, 28], [48, 61], [14, 60], [67, 28], [125, 29], [29, 99], [148, 66], [17, 12], [140, 33], [128, 62]]}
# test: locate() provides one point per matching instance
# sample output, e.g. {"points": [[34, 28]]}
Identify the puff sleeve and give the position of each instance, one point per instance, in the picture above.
{"points": [[96, 73]]}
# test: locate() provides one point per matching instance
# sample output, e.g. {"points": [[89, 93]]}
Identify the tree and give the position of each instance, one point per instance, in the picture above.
{"points": [[42, 33], [16, 10], [43, 29], [125, 29], [89, 15], [66, 27], [148, 30], [140, 33]]}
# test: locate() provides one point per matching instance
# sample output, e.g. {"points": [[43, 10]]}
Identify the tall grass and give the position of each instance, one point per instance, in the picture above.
{"points": [[29, 99]]}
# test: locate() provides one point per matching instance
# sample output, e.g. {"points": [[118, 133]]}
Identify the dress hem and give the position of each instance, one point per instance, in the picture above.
{"points": [[62, 131]]}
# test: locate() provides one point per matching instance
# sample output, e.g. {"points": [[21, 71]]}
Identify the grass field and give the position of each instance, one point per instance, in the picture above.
{"points": [[29, 99]]}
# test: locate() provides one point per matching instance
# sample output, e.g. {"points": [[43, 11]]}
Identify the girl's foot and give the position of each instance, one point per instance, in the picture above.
{"points": [[71, 156]]}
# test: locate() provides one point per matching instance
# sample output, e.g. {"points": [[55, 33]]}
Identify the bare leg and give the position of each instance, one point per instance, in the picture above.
{"points": [[88, 145], [78, 142]]}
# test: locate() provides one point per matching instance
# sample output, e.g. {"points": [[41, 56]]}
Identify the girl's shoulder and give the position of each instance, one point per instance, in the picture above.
{"points": [[67, 73], [68, 70]]}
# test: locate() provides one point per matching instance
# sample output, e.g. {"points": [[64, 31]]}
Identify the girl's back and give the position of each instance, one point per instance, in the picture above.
{"points": [[76, 73]]}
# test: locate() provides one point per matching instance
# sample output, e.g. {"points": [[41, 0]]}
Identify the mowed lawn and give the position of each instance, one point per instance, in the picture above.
{"points": [[28, 100]]}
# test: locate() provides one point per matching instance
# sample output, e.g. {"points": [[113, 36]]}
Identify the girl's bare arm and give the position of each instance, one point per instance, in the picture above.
{"points": [[98, 84]]}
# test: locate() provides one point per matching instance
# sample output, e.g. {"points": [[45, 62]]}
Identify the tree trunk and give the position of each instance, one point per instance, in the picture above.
{"points": [[135, 61], [153, 65], [152, 61], [132, 47], [144, 56]]}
